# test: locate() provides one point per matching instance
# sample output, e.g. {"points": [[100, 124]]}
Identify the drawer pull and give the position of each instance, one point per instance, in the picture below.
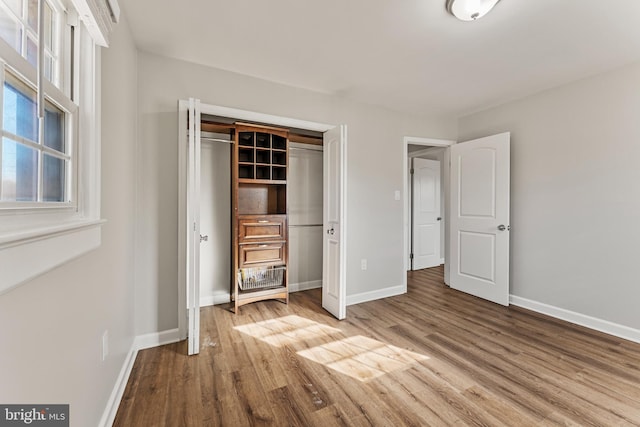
{"points": [[263, 246], [263, 221]]}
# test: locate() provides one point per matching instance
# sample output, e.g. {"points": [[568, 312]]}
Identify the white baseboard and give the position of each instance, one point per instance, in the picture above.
{"points": [[113, 403], [605, 326], [374, 295], [216, 299], [305, 286], [140, 342], [157, 338], [222, 298]]}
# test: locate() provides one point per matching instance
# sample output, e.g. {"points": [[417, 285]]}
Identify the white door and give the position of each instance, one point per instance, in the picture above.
{"points": [[479, 238], [334, 298], [426, 213], [192, 224]]}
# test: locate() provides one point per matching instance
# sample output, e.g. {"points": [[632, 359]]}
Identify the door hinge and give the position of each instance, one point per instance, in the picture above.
{"points": [[194, 226], [411, 171], [411, 256]]}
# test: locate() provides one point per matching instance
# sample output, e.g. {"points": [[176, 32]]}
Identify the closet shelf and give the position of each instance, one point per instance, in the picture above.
{"points": [[262, 181]]}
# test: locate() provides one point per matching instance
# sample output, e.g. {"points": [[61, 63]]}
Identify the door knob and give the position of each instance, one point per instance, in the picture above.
{"points": [[204, 238], [502, 227], [332, 231], [439, 218]]}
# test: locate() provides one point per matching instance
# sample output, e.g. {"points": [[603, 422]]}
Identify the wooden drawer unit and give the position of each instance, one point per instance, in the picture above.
{"points": [[260, 228], [261, 254]]}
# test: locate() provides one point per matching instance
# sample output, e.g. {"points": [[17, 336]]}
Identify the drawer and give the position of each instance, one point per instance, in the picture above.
{"points": [[261, 254], [261, 228]]}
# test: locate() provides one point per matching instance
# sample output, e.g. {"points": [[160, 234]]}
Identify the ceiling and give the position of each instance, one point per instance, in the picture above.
{"points": [[408, 55]]}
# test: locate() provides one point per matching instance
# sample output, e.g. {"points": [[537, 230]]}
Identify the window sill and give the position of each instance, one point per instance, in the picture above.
{"points": [[29, 253]]}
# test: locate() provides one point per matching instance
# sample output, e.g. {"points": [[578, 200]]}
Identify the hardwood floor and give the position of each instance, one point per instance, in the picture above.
{"points": [[431, 357]]}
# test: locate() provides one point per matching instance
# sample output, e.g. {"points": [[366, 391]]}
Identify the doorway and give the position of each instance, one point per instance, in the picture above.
{"points": [[476, 188], [305, 214], [438, 149], [191, 125]]}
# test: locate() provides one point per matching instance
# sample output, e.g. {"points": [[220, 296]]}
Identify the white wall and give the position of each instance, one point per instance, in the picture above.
{"points": [[575, 194], [375, 171], [51, 327]]}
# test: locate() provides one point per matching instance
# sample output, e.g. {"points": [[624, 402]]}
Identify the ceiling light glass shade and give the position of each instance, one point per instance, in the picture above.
{"points": [[470, 10]]}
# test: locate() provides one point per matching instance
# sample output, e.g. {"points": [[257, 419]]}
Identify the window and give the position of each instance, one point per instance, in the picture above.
{"points": [[32, 171], [36, 168], [49, 132], [19, 28]]}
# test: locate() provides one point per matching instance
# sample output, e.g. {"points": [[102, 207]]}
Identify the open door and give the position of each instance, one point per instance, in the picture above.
{"points": [[334, 294], [479, 237], [190, 220], [426, 213]]}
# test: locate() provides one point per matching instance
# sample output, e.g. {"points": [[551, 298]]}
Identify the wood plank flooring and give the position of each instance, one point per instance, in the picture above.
{"points": [[432, 357]]}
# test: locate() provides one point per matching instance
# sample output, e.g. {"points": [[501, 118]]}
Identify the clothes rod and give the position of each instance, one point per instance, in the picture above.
{"points": [[210, 138], [306, 149], [206, 138]]}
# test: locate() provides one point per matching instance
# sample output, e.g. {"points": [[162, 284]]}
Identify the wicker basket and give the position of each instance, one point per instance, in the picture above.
{"points": [[260, 277]]}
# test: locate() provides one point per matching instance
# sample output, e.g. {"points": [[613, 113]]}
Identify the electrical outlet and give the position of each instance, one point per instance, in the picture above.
{"points": [[397, 194], [363, 264], [105, 345]]}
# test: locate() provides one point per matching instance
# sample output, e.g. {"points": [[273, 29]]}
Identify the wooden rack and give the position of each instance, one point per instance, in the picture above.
{"points": [[260, 222]]}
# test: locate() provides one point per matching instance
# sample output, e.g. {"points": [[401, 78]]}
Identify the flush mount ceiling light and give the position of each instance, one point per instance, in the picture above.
{"points": [[470, 10]]}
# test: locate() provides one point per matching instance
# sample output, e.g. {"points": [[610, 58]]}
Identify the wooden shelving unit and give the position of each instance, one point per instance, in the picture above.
{"points": [[260, 223]]}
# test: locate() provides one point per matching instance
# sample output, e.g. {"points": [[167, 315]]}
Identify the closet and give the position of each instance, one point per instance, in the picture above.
{"points": [[260, 212]]}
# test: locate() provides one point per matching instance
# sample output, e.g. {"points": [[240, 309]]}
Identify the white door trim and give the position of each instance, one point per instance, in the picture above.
{"points": [[414, 140], [183, 108], [253, 116], [221, 111]]}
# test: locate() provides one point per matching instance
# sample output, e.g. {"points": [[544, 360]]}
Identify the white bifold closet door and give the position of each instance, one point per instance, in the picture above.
{"points": [[191, 222]]}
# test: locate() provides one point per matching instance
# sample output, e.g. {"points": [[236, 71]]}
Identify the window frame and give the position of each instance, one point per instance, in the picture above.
{"points": [[35, 240]]}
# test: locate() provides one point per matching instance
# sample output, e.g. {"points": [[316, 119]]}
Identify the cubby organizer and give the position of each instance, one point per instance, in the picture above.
{"points": [[262, 156]]}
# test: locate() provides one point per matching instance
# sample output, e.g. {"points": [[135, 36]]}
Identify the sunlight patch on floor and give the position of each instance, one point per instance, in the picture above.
{"points": [[362, 358], [359, 357], [287, 330]]}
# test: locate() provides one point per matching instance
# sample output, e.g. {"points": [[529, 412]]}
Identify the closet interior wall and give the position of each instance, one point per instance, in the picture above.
{"points": [[305, 216], [215, 219]]}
